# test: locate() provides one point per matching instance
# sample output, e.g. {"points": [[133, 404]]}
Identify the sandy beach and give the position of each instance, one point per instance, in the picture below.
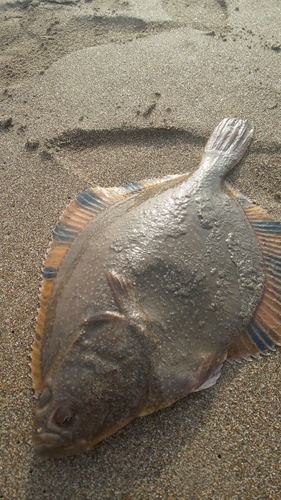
{"points": [[104, 93]]}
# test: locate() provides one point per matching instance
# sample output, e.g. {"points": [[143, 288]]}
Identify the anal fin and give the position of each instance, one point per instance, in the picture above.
{"points": [[243, 348], [264, 331]]}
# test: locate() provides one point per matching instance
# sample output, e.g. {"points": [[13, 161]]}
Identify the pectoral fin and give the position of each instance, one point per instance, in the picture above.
{"points": [[211, 380], [124, 294], [104, 316]]}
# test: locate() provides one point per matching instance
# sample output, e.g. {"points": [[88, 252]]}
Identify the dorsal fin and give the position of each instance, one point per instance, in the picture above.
{"points": [[264, 332], [84, 208]]}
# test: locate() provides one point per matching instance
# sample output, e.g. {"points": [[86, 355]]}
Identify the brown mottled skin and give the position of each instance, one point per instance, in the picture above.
{"points": [[147, 302]]}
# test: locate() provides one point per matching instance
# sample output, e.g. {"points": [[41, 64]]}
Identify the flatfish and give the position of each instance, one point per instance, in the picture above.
{"points": [[147, 289]]}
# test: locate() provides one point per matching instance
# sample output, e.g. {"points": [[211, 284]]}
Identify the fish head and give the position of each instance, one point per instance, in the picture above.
{"points": [[94, 388]]}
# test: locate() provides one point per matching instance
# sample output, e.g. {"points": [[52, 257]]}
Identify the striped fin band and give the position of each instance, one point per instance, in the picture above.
{"points": [[264, 332]]}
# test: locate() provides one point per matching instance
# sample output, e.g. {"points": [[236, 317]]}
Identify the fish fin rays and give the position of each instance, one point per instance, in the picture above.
{"points": [[122, 290], [227, 145], [82, 210], [264, 332], [243, 348], [211, 380]]}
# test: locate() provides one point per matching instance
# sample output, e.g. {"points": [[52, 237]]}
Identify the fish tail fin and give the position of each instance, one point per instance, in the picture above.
{"points": [[226, 146]]}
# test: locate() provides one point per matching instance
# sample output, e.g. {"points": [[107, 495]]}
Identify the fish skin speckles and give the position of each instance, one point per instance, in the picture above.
{"points": [[147, 289]]}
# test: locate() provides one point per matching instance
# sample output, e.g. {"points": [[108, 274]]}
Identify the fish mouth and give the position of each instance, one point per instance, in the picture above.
{"points": [[47, 444], [47, 438], [47, 450], [51, 445]]}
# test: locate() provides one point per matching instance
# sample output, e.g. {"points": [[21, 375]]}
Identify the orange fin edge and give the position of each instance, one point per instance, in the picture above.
{"points": [[264, 331]]}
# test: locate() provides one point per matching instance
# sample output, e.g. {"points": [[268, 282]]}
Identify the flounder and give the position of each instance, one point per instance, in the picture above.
{"points": [[147, 289]]}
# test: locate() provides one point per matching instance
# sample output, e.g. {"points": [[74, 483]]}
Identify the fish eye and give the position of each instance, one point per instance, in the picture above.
{"points": [[64, 416], [67, 421]]}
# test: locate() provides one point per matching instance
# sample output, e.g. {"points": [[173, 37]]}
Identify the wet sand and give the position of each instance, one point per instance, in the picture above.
{"points": [[104, 96]]}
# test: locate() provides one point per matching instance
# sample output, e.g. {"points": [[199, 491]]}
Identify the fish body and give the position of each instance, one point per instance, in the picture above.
{"points": [[147, 301]]}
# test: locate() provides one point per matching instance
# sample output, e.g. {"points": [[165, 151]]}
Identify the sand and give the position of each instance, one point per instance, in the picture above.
{"points": [[106, 93]]}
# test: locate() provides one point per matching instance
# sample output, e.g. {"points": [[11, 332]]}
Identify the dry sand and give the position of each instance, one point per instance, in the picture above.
{"points": [[105, 93]]}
